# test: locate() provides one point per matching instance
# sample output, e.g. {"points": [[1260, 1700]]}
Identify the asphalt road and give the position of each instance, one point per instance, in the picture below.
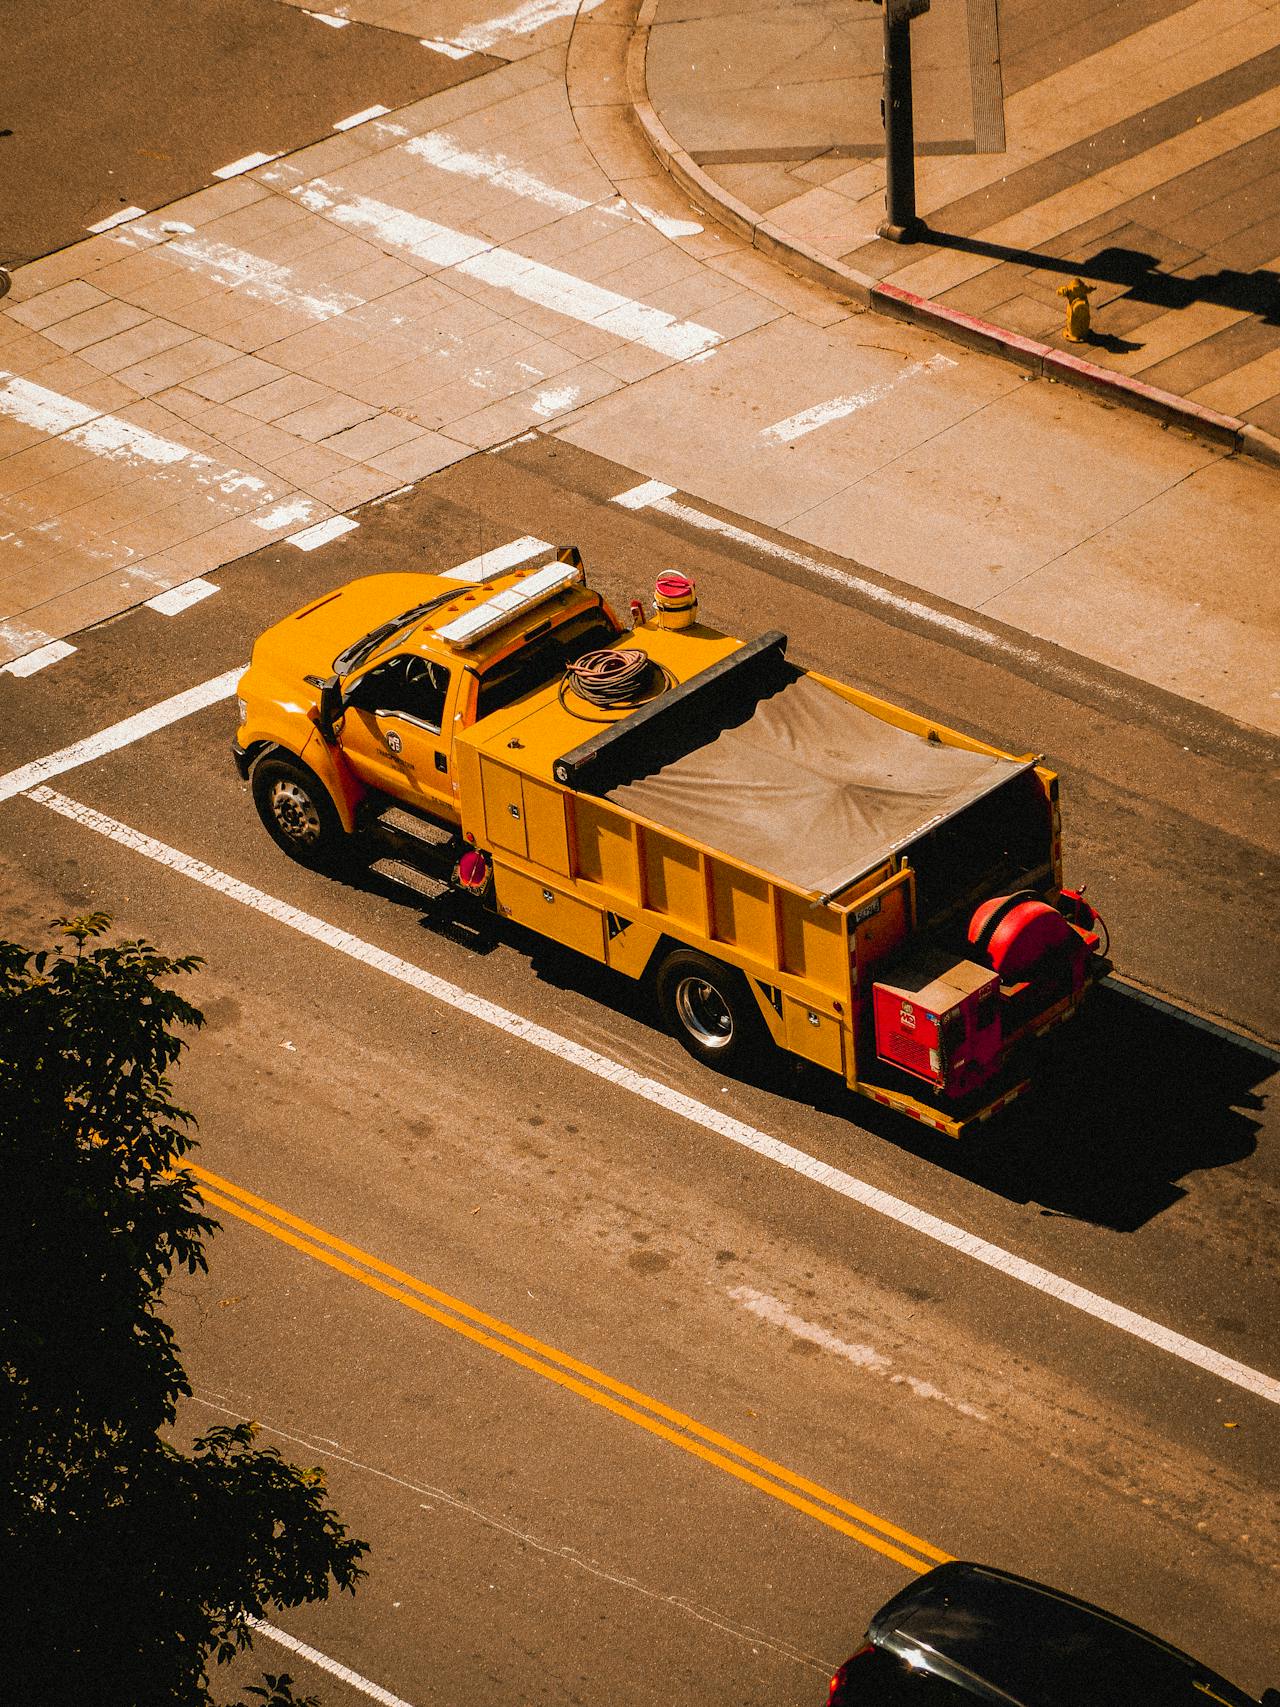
{"points": [[105, 106], [532, 1540]]}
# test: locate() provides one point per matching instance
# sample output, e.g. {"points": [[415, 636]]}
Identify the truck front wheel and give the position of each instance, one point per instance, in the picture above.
{"points": [[708, 1008], [296, 809]]}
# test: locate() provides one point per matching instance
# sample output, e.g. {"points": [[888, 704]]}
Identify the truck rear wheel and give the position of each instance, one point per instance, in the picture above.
{"points": [[296, 809], [708, 1008]]}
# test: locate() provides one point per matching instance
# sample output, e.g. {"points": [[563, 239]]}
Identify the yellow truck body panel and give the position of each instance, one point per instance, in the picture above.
{"points": [[573, 864]]}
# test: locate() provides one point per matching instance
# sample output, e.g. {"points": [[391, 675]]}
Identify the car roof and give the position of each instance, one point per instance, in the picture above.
{"points": [[1038, 1647]]}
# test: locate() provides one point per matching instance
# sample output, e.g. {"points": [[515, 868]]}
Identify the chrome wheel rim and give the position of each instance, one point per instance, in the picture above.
{"points": [[704, 1013], [295, 812]]}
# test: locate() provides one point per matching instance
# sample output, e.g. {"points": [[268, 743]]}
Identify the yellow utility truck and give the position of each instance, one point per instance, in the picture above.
{"points": [[785, 857]]}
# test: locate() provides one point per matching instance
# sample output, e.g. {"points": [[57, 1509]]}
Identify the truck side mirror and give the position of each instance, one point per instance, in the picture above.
{"points": [[329, 711]]}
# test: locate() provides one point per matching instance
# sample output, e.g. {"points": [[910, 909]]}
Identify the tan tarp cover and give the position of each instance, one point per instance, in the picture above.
{"points": [[812, 789]]}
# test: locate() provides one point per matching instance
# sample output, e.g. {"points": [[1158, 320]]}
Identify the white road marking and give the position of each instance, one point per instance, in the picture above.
{"points": [[121, 734], [554, 400], [121, 218], [954, 626], [259, 279], [180, 598], [335, 1668], [321, 533], [361, 118], [437, 150], [1242, 1039], [548, 287], [522, 22], [642, 497], [502, 557], [113, 438], [837, 408], [1042, 666], [328, 18], [284, 515], [237, 167], [774, 1311], [30, 662], [664, 223], [449, 49], [675, 1102], [569, 1555], [437, 245]]}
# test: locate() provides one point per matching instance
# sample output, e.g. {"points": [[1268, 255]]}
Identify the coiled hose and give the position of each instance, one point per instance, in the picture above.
{"points": [[613, 679]]}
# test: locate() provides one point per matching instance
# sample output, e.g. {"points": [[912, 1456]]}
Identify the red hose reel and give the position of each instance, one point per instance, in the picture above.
{"points": [[1021, 936]]}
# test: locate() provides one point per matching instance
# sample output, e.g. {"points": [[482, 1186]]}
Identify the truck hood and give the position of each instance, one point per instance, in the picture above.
{"points": [[307, 642]]}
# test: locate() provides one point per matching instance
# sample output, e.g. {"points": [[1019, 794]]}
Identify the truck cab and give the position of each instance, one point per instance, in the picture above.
{"points": [[368, 687]]}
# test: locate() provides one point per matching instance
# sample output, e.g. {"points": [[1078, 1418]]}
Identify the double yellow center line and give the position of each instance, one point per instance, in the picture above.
{"points": [[656, 1418]]}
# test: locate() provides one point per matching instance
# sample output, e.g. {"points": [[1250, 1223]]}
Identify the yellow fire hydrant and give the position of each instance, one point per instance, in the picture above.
{"points": [[1077, 293]]}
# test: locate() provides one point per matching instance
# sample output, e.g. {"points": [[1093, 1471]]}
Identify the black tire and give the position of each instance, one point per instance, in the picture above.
{"points": [[708, 1008], [298, 814]]}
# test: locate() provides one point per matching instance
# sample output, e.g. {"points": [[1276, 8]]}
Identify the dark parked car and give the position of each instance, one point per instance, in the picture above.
{"points": [[963, 1634]]}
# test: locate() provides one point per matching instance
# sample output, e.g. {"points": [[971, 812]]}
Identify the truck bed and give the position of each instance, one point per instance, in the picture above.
{"points": [[812, 788]]}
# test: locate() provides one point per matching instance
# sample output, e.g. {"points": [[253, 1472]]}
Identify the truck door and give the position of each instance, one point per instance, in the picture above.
{"points": [[391, 734]]}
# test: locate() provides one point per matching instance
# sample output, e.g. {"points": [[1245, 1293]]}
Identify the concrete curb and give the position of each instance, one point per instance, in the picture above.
{"points": [[798, 257]]}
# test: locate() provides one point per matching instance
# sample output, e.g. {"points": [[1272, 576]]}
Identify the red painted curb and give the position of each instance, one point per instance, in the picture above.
{"points": [[1042, 359]]}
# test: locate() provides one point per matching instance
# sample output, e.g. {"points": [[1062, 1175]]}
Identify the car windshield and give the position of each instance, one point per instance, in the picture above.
{"points": [[1049, 1652]]}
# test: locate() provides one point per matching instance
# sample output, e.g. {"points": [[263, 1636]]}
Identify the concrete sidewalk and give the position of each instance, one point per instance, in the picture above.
{"points": [[1137, 145]]}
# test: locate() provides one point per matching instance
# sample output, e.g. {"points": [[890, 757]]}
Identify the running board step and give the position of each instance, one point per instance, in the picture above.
{"points": [[400, 871], [421, 829]]}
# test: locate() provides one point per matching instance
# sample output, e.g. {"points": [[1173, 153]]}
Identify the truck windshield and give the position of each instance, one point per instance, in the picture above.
{"points": [[364, 648]]}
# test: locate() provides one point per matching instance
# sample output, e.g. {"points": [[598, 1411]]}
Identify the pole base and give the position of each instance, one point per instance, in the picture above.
{"points": [[913, 231]]}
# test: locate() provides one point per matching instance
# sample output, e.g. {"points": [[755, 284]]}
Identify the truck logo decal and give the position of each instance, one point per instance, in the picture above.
{"points": [[907, 1017], [393, 741]]}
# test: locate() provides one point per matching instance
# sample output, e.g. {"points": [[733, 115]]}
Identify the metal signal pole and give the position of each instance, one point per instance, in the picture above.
{"points": [[900, 224]]}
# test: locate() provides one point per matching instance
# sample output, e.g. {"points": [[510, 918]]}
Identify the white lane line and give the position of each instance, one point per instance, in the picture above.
{"points": [[335, 1668], [1047, 669], [674, 1102], [449, 49], [113, 438], [361, 118], [775, 1312], [642, 497], [328, 18], [30, 662], [321, 533], [495, 169], [547, 287], [837, 408], [522, 22], [502, 557], [236, 167], [1242, 1039], [181, 598], [121, 218], [119, 735], [954, 626]]}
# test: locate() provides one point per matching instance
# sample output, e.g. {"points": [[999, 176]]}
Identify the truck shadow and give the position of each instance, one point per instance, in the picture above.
{"points": [[1128, 1103]]}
